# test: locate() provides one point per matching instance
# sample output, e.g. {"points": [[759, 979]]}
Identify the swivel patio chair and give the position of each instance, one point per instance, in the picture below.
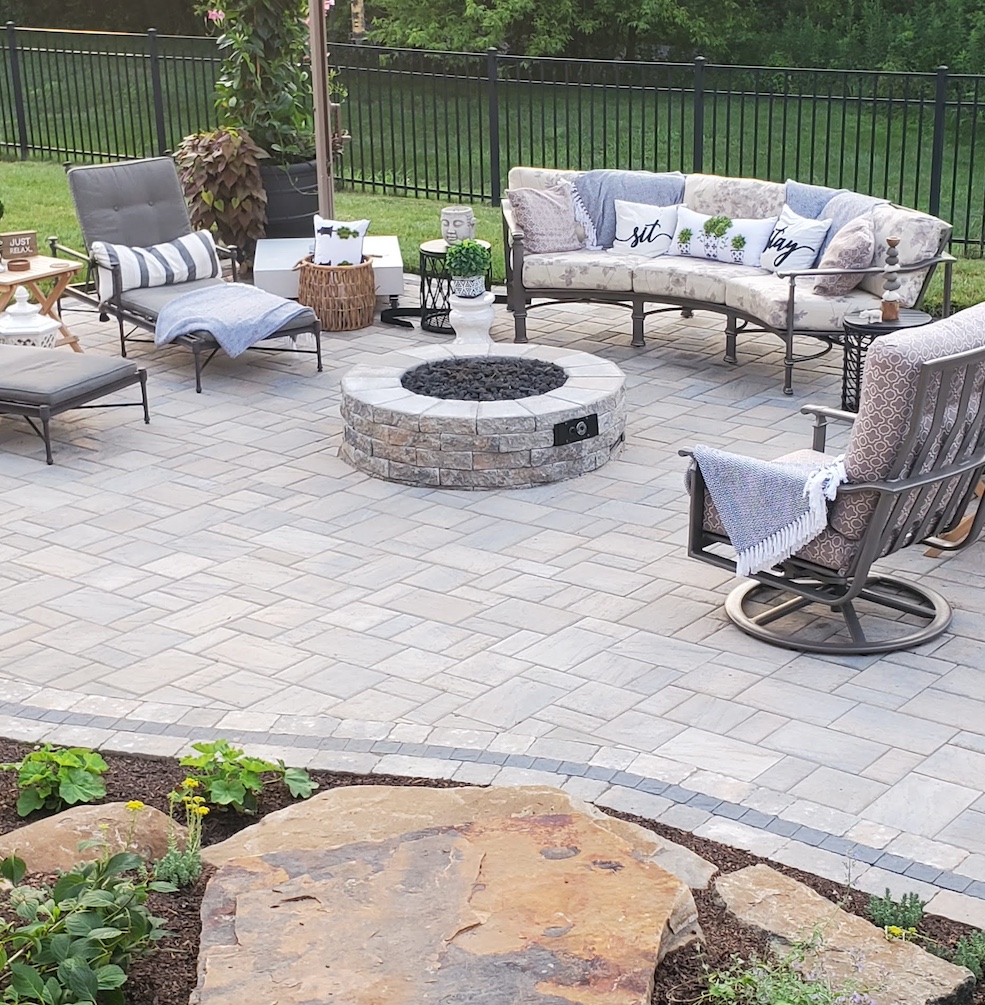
{"points": [[914, 458], [139, 204]]}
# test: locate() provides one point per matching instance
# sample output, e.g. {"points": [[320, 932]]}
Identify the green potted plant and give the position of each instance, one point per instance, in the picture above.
{"points": [[467, 262], [264, 87]]}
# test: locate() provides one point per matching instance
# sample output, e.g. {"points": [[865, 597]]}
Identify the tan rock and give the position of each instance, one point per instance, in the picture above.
{"points": [[377, 812], [548, 909], [891, 971], [52, 844]]}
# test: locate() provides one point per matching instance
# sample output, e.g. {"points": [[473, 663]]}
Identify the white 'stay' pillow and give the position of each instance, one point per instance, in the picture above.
{"points": [[338, 243], [794, 243], [720, 238], [644, 230]]}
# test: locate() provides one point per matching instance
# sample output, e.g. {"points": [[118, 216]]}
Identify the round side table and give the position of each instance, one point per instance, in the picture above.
{"points": [[859, 335], [436, 287]]}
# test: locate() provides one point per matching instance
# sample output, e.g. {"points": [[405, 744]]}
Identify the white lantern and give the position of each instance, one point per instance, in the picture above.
{"points": [[22, 323]]}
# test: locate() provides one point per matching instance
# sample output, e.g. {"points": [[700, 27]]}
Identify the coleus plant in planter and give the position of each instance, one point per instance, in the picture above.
{"points": [[467, 262]]}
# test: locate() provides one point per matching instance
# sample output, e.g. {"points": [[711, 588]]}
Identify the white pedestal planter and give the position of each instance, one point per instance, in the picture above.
{"points": [[472, 317]]}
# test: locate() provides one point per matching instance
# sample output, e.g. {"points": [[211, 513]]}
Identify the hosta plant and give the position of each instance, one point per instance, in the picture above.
{"points": [[52, 778]]}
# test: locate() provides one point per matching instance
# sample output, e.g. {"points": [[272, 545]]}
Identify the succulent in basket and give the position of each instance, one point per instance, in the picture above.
{"points": [[467, 262]]}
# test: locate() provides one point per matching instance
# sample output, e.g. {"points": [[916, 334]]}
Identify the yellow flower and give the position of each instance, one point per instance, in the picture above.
{"points": [[191, 783], [198, 800], [202, 810], [135, 805]]}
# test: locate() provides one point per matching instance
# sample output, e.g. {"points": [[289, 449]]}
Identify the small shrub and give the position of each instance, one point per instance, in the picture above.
{"points": [[467, 258], [229, 778], [904, 913], [76, 938], [970, 953], [182, 866], [53, 778]]}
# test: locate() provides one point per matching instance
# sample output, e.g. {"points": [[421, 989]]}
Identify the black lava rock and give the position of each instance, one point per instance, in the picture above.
{"points": [[484, 378]]}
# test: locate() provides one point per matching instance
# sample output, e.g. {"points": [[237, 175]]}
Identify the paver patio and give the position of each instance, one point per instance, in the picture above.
{"points": [[223, 571]]}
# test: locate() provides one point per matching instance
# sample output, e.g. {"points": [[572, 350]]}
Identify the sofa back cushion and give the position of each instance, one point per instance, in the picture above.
{"points": [[810, 200], [921, 237], [739, 198], [720, 238]]}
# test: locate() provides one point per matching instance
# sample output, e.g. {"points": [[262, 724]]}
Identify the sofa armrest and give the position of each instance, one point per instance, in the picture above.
{"points": [[872, 270], [822, 414], [509, 222]]}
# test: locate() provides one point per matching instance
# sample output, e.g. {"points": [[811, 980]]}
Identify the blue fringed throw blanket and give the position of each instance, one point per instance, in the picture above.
{"points": [[236, 315], [595, 193], [770, 509]]}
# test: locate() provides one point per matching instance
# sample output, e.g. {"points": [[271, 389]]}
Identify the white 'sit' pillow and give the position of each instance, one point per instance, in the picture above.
{"points": [[720, 238], [794, 243], [644, 230], [338, 243]]}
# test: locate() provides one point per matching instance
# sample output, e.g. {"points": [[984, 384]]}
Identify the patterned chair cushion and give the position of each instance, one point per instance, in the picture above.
{"points": [[765, 297], [531, 177], [739, 198], [689, 278], [546, 216], [829, 549], [844, 207], [853, 248], [889, 382], [581, 270], [921, 237]]}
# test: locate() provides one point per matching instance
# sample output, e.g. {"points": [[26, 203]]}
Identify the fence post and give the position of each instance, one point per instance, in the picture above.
{"points": [[158, 92], [698, 153], [937, 157], [18, 88], [492, 79]]}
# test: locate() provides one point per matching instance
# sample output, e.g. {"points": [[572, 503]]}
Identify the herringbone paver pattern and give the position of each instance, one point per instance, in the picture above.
{"points": [[223, 570]]}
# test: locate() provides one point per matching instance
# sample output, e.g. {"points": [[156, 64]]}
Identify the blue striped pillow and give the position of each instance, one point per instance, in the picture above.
{"points": [[180, 261]]}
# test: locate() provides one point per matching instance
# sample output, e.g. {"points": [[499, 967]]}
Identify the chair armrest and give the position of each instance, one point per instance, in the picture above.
{"points": [[872, 270], [821, 415], [61, 251], [233, 254]]}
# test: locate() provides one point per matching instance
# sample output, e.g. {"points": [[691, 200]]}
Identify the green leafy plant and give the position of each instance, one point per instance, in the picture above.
{"points": [[182, 866], [467, 258], [904, 913], [220, 175], [684, 237], [53, 777], [970, 953], [74, 941], [229, 778]]}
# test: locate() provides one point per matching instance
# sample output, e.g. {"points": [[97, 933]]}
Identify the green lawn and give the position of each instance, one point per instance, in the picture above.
{"points": [[36, 197]]}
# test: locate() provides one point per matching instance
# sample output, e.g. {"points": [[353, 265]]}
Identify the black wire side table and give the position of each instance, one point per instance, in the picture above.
{"points": [[436, 287], [858, 337]]}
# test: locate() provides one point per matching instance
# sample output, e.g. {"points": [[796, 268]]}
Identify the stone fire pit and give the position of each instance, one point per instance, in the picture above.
{"points": [[395, 433]]}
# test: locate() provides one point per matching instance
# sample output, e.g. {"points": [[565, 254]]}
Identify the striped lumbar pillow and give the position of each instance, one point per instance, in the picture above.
{"points": [[190, 257]]}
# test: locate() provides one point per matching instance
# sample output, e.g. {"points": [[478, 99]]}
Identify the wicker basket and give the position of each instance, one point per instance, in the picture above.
{"points": [[343, 296]]}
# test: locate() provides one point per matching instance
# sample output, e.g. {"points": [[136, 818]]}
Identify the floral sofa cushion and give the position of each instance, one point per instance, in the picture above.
{"points": [[689, 278], [739, 198], [764, 296], [581, 270], [921, 236]]}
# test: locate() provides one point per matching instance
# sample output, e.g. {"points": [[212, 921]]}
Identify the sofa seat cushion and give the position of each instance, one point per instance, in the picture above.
{"points": [[581, 270], [829, 549], [764, 296], [739, 198], [689, 278]]}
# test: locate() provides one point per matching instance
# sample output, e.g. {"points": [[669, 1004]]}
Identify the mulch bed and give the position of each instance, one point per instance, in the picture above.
{"points": [[170, 975]]}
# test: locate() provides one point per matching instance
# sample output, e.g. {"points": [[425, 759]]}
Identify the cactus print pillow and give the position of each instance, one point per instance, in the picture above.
{"points": [[720, 238]]}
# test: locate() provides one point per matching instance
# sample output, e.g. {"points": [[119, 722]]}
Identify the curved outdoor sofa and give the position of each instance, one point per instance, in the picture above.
{"points": [[752, 299]]}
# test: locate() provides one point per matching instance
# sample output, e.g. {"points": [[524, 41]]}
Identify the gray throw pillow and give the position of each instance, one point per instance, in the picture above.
{"points": [[547, 218], [852, 248]]}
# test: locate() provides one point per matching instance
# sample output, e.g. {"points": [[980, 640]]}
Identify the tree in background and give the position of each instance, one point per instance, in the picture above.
{"points": [[176, 17]]}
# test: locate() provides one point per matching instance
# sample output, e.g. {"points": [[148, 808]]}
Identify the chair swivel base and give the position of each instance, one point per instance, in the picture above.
{"points": [[890, 614]]}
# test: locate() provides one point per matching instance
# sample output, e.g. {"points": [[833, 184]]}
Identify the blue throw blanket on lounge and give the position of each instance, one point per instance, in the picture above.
{"points": [[595, 193], [770, 509], [236, 315]]}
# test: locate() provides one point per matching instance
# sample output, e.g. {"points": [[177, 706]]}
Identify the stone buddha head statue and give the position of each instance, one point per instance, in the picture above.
{"points": [[457, 223]]}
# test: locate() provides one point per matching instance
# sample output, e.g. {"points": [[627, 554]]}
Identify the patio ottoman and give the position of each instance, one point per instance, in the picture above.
{"points": [[40, 383]]}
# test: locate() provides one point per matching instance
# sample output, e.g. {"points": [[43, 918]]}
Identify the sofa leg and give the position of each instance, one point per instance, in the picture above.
{"points": [[788, 362], [731, 332], [687, 313], [638, 317], [520, 324]]}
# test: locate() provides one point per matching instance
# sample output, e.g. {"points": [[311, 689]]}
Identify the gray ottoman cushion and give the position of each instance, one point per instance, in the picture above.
{"points": [[50, 377]]}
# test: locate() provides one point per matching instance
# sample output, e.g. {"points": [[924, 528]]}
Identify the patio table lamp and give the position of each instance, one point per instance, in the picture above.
{"points": [[22, 323]]}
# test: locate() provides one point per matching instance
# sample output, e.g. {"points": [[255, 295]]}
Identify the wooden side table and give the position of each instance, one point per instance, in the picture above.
{"points": [[61, 272], [858, 337]]}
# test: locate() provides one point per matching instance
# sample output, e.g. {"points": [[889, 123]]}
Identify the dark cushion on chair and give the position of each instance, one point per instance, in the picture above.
{"points": [[149, 301], [49, 377]]}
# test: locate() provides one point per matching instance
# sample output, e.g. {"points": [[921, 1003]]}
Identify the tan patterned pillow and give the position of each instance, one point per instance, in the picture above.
{"points": [[853, 247], [547, 218]]}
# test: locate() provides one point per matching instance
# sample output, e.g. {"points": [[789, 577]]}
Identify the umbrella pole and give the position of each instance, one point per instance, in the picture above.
{"points": [[322, 109]]}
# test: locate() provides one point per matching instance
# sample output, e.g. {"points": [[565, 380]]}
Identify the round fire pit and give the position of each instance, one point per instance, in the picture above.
{"points": [[491, 416]]}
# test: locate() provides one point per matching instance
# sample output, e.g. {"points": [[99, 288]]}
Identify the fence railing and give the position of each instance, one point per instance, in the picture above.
{"points": [[450, 125]]}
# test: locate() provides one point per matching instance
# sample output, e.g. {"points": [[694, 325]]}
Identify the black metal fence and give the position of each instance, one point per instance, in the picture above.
{"points": [[451, 124]]}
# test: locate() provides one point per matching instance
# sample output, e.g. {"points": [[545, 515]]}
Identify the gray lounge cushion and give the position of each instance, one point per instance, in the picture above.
{"points": [[48, 377]]}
